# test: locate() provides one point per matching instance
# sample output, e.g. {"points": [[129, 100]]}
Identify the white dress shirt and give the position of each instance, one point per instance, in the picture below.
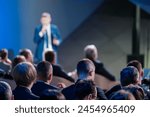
{"points": [[50, 48]]}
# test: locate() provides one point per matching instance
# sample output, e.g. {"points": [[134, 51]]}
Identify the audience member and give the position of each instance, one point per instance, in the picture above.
{"points": [[18, 59], [4, 56], [92, 54], [5, 91], [52, 95], [138, 65], [27, 54], [5, 63], [85, 90], [24, 75], [44, 78], [129, 75], [57, 70], [85, 71]]}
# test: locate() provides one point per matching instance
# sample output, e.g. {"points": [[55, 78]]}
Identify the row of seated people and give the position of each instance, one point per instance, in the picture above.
{"points": [[35, 82]]}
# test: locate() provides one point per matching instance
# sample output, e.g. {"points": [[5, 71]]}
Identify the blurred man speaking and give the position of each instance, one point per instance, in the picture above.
{"points": [[47, 36]]}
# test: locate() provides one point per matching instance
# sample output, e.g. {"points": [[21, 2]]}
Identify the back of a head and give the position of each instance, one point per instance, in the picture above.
{"points": [[135, 64], [85, 90], [18, 59], [27, 54], [136, 90], [44, 70], [52, 95], [84, 67], [24, 74], [129, 75], [50, 56], [91, 52], [122, 95], [5, 91], [4, 54]]}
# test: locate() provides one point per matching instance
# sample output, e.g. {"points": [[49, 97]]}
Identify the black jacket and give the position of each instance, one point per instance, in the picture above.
{"points": [[40, 86], [69, 93], [101, 70], [23, 93], [58, 71]]}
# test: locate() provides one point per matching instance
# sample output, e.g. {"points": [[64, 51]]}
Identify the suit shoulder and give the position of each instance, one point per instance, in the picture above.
{"points": [[54, 26]]}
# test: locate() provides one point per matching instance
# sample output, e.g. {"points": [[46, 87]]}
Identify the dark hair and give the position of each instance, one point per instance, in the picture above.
{"points": [[85, 66], [137, 91], [27, 54], [52, 95], [50, 56], [3, 53], [24, 74], [5, 91], [18, 59], [122, 95], [44, 69], [84, 88], [129, 75], [135, 64]]}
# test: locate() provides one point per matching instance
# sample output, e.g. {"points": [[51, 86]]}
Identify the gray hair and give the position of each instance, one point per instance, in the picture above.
{"points": [[91, 52]]}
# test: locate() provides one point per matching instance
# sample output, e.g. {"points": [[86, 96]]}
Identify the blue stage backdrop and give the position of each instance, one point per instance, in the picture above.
{"points": [[9, 24]]}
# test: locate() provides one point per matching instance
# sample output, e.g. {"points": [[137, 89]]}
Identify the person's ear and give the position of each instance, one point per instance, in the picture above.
{"points": [[50, 77], [142, 73], [90, 97]]}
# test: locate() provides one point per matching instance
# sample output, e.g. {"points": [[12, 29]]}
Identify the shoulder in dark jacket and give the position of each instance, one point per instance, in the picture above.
{"points": [[23, 93]]}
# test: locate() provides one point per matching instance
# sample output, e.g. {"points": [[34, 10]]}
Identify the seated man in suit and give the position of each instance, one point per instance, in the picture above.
{"points": [[92, 54], [85, 71], [85, 90], [57, 70], [24, 75], [44, 78], [5, 63], [5, 91], [138, 65], [128, 75]]}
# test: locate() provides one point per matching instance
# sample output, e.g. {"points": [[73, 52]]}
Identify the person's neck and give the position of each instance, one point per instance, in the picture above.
{"points": [[28, 87], [83, 77], [47, 82]]}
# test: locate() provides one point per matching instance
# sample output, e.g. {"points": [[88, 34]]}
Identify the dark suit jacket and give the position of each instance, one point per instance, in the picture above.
{"points": [[101, 70], [22, 93], [69, 93], [113, 90], [40, 41], [58, 71], [40, 86]]}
